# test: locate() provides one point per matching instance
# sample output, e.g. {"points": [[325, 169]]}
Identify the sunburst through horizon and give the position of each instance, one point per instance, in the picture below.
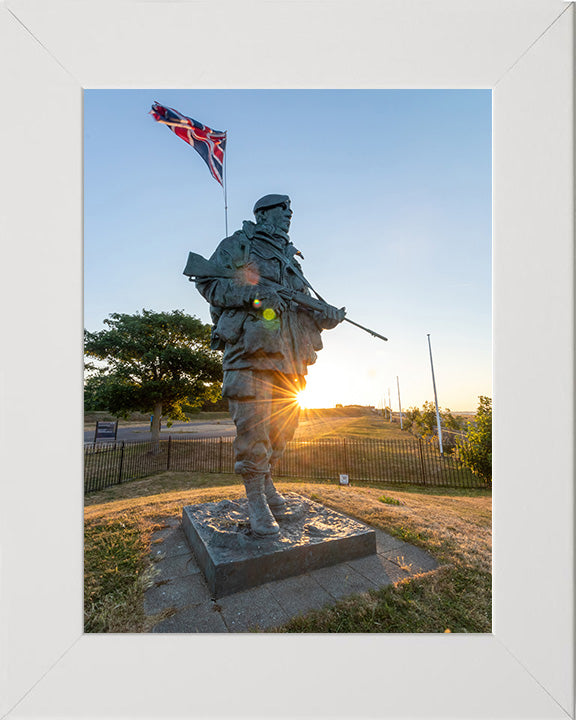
{"points": [[309, 399]]}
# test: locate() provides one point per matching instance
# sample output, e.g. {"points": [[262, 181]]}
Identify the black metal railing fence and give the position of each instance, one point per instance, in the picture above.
{"points": [[410, 461]]}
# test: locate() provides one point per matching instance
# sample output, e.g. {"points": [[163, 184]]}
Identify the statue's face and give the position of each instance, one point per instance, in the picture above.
{"points": [[280, 216]]}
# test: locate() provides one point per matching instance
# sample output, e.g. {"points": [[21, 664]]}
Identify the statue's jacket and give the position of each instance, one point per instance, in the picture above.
{"points": [[251, 337]]}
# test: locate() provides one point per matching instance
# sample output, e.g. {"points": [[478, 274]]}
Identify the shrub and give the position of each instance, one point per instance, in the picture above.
{"points": [[476, 449]]}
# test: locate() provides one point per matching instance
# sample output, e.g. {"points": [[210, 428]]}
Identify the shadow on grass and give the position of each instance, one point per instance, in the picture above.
{"points": [[167, 482]]}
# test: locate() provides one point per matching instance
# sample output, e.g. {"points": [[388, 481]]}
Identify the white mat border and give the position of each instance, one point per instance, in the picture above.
{"points": [[50, 51]]}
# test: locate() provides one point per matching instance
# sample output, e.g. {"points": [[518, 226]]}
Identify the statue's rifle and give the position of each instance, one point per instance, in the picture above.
{"points": [[198, 268]]}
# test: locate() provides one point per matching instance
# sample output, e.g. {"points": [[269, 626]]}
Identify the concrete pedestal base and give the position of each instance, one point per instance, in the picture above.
{"points": [[232, 559]]}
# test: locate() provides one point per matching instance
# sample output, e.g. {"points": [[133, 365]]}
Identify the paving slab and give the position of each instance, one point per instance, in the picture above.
{"points": [[298, 595], [169, 542], [413, 558], [254, 608], [201, 618], [176, 566], [376, 568], [343, 580], [395, 572], [178, 592], [169, 521], [385, 542]]}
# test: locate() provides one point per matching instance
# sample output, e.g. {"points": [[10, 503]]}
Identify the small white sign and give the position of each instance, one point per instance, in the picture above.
{"points": [[344, 480]]}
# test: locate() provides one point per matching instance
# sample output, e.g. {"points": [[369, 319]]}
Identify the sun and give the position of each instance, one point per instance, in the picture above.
{"points": [[324, 389], [302, 400], [309, 399]]}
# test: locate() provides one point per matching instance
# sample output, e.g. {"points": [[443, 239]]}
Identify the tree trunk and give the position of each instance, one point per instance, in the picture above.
{"points": [[156, 419]]}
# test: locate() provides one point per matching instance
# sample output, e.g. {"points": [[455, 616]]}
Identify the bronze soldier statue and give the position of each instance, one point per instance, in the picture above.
{"points": [[268, 339]]}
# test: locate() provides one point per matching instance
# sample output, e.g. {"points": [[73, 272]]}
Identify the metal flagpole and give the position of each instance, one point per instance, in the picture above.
{"points": [[226, 188], [399, 402], [435, 399]]}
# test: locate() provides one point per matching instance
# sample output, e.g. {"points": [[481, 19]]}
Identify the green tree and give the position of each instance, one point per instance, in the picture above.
{"points": [[423, 421], [410, 418], [94, 396], [427, 420], [476, 449], [153, 362]]}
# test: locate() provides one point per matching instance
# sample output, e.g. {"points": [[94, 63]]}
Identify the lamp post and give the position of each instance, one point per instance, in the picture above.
{"points": [[435, 400], [399, 402]]}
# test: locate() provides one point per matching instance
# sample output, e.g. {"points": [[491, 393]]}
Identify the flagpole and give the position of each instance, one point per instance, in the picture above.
{"points": [[225, 190], [435, 399]]}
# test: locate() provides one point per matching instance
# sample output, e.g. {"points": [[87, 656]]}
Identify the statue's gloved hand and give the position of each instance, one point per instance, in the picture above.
{"points": [[332, 317], [269, 298]]}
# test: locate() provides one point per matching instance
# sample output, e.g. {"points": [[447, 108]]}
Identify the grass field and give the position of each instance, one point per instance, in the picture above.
{"points": [[317, 426], [454, 526]]}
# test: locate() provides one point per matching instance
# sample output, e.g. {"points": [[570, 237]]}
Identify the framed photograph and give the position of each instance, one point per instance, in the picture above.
{"points": [[51, 51]]}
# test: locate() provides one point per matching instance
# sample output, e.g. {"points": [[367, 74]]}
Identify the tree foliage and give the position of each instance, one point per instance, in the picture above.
{"points": [[476, 450], [423, 422], [94, 396], [152, 362]]}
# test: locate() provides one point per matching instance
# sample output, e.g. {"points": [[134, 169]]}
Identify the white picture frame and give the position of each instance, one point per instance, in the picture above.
{"points": [[50, 50]]}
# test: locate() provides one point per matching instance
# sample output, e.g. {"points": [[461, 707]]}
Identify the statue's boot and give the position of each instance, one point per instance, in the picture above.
{"points": [[261, 519], [276, 502]]}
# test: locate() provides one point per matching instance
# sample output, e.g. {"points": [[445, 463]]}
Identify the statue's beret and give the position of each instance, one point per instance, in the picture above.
{"points": [[269, 201]]}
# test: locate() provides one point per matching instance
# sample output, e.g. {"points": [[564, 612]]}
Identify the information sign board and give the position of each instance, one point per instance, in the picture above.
{"points": [[106, 430]]}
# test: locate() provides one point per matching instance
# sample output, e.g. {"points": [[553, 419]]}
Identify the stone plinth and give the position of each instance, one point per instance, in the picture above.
{"points": [[232, 559]]}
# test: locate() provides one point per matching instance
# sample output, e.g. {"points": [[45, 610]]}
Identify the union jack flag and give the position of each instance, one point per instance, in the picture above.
{"points": [[209, 144]]}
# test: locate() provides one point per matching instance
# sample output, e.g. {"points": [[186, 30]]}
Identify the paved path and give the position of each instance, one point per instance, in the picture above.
{"points": [[180, 584], [198, 429]]}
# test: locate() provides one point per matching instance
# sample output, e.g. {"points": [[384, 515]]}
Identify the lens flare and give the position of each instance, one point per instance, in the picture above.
{"points": [[256, 303], [268, 314]]}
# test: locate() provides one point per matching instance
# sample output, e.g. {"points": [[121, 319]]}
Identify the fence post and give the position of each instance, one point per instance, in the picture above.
{"points": [[422, 461], [121, 462], [346, 459], [168, 453], [220, 455]]}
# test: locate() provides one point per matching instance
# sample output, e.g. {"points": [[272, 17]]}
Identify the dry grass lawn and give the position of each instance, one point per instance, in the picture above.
{"points": [[454, 527], [316, 426]]}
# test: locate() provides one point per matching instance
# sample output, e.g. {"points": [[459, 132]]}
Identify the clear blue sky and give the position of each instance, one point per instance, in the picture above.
{"points": [[391, 193]]}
